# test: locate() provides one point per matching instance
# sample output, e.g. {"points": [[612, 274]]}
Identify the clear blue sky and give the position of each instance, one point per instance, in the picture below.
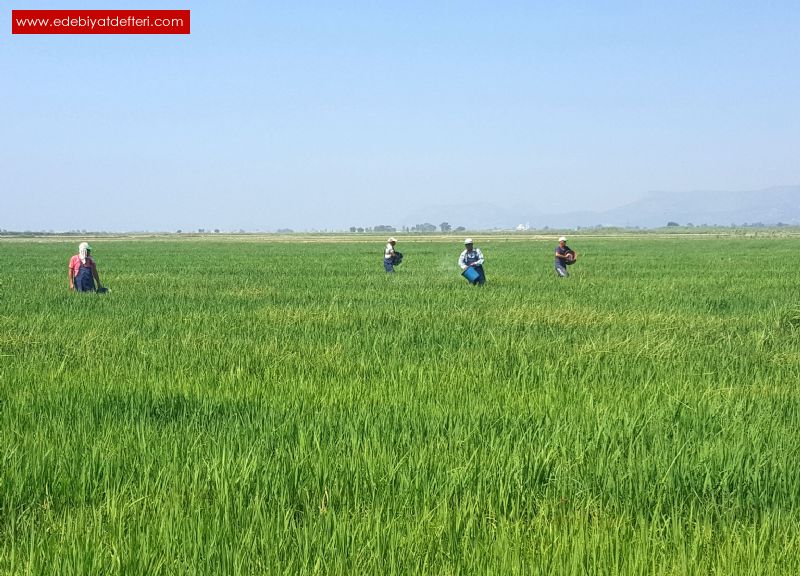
{"points": [[331, 114]]}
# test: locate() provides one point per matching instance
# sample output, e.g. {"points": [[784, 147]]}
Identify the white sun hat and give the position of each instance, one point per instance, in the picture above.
{"points": [[467, 241], [562, 239], [392, 239]]}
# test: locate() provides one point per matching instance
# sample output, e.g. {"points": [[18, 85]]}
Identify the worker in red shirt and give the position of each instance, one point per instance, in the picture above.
{"points": [[83, 271]]}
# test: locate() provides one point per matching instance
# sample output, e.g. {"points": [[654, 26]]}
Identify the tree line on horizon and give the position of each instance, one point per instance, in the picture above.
{"points": [[426, 227], [417, 228]]}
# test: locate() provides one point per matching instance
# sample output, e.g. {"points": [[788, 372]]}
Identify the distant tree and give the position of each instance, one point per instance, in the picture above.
{"points": [[427, 227], [180, 231], [353, 228], [384, 228], [360, 229], [216, 230], [445, 227], [460, 229], [201, 230], [285, 231], [672, 224]]}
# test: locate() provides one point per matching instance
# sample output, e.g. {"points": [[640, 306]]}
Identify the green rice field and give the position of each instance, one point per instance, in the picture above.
{"points": [[260, 405]]}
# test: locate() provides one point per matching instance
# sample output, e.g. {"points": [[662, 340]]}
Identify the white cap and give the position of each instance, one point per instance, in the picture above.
{"points": [[392, 239], [467, 241], [562, 239]]}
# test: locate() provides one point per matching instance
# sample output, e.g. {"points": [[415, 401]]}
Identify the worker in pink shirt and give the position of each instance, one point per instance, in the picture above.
{"points": [[83, 271]]}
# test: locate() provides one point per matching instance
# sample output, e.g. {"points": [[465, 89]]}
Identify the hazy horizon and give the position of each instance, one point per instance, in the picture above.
{"points": [[318, 116]]}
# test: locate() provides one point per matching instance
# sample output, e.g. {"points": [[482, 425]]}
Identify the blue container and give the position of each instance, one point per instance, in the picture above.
{"points": [[471, 275]]}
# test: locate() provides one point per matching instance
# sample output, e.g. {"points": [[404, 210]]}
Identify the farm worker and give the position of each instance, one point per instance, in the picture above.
{"points": [[472, 257], [389, 255], [83, 271], [564, 257]]}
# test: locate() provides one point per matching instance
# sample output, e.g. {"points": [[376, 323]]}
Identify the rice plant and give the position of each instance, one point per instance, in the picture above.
{"points": [[256, 406]]}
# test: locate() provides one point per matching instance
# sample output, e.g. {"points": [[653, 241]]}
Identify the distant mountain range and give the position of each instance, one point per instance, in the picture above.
{"points": [[771, 206]]}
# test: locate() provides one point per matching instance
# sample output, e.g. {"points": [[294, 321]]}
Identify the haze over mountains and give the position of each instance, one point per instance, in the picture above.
{"points": [[771, 206], [768, 207]]}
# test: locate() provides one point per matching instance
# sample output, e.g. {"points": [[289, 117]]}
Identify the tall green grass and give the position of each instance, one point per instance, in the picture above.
{"points": [[288, 408]]}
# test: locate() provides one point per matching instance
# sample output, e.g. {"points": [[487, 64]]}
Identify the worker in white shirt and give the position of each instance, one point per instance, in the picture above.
{"points": [[472, 257], [391, 257]]}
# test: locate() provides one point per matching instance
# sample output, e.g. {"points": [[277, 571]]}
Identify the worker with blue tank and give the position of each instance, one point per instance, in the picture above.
{"points": [[471, 263]]}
